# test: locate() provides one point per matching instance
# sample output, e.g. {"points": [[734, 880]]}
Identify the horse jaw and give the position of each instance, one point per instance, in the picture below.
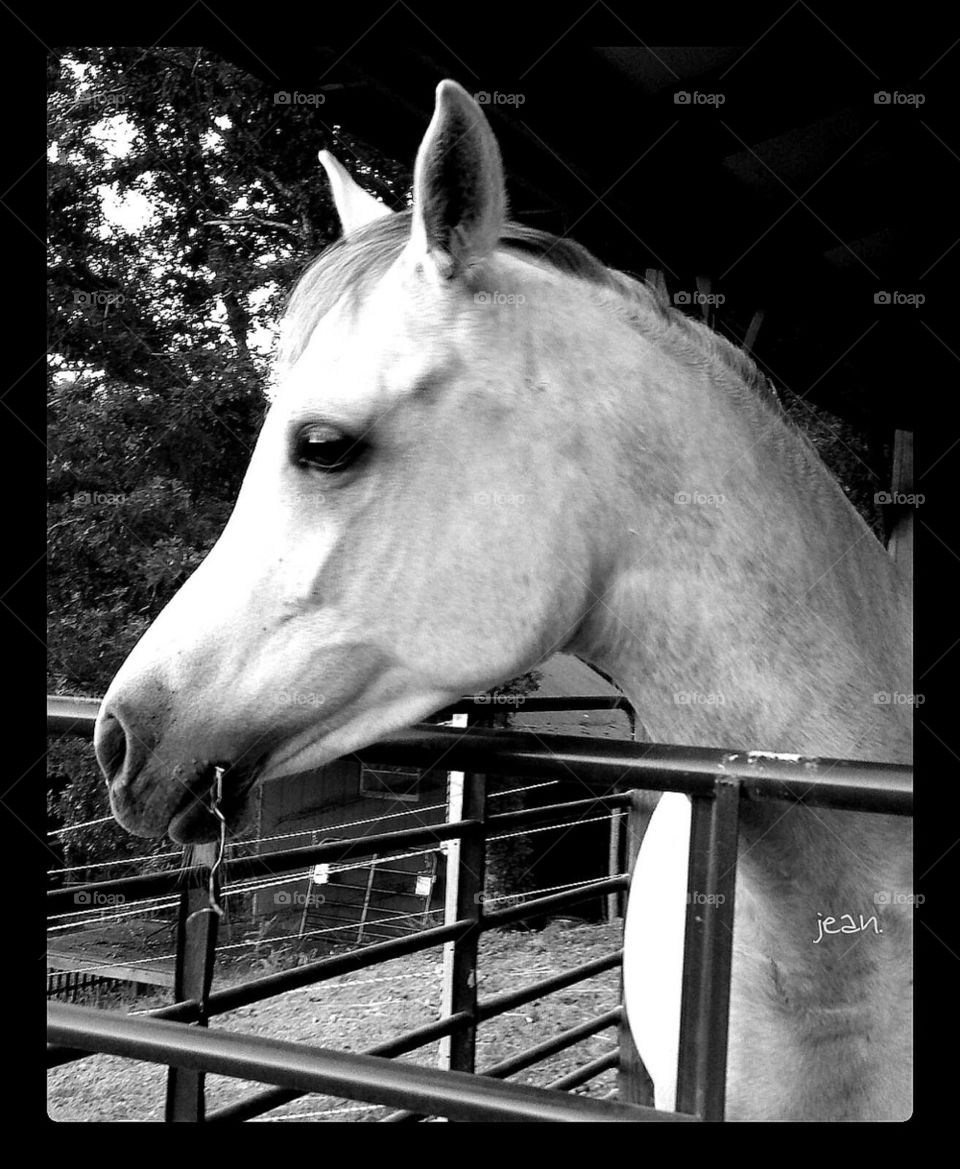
{"points": [[390, 705]]}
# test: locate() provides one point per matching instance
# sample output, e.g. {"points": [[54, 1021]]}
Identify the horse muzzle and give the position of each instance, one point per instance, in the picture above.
{"points": [[152, 794]]}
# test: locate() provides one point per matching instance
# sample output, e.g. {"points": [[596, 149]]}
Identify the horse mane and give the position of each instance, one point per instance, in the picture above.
{"points": [[350, 267], [648, 308]]}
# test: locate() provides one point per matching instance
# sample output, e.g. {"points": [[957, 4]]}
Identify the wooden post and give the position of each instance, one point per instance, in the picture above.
{"points": [[619, 859], [466, 860], [634, 1085], [613, 863], [451, 854], [431, 872], [900, 543], [196, 955], [752, 330], [368, 893]]}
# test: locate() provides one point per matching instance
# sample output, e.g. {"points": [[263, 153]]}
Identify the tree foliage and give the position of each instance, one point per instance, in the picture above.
{"points": [[183, 203]]}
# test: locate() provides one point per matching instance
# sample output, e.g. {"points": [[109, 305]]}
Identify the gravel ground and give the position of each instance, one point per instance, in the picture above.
{"points": [[357, 1011]]}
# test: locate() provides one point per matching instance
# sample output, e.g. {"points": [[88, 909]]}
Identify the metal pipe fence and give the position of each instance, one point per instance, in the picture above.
{"points": [[611, 773]]}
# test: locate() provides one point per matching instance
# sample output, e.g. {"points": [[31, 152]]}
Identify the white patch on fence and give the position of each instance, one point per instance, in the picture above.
{"points": [[653, 943]]}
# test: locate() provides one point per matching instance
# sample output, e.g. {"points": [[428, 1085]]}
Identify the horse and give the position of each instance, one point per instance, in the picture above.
{"points": [[484, 447]]}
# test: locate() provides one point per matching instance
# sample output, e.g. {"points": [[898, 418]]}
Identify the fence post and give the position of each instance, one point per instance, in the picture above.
{"points": [[634, 1085], [196, 955], [900, 517], [708, 952], [464, 902], [368, 893], [614, 852]]}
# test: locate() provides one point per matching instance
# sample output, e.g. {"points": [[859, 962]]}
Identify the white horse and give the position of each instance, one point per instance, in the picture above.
{"points": [[487, 447]]}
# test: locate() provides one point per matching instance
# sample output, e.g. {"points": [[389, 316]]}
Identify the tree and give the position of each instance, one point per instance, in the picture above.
{"points": [[183, 204]]}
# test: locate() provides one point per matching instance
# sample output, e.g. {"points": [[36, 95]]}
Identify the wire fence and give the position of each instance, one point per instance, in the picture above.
{"points": [[715, 781]]}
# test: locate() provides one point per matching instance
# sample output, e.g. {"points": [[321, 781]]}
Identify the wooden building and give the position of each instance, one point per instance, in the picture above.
{"points": [[341, 903]]}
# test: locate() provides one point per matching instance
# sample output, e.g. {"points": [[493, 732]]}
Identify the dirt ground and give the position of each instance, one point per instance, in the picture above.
{"points": [[357, 1011]]}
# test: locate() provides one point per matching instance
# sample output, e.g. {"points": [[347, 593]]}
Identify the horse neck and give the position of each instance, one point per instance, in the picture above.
{"points": [[766, 617]]}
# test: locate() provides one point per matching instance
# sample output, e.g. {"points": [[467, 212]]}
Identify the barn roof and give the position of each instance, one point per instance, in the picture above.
{"points": [[780, 176]]}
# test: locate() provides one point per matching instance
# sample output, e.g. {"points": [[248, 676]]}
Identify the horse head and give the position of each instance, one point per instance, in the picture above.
{"points": [[399, 538]]}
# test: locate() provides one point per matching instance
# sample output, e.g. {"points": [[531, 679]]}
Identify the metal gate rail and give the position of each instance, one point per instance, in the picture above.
{"points": [[717, 781]]}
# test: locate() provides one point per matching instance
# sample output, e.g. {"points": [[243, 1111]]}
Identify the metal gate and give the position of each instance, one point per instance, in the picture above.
{"points": [[614, 772]]}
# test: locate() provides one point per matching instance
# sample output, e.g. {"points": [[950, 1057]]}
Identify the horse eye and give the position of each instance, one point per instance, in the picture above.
{"points": [[325, 448]]}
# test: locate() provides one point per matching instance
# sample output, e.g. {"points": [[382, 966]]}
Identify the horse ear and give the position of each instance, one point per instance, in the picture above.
{"points": [[354, 206], [459, 199]]}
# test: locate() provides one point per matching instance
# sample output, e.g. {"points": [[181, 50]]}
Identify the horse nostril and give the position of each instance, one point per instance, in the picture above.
{"points": [[110, 744]]}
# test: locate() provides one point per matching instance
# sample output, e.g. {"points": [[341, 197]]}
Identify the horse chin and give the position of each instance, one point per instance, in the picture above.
{"points": [[198, 820], [195, 825]]}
